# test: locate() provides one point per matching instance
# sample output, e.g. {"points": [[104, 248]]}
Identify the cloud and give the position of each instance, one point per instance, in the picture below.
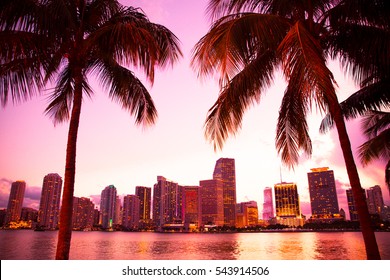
{"points": [[5, 187], [33, 193], [32, 197]]}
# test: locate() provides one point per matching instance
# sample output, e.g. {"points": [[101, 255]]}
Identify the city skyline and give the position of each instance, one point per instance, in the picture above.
{"points": [[111, 150], [173, 192]]}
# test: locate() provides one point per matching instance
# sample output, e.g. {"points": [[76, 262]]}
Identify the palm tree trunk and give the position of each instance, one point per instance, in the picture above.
{"points": [[370, 243], [65, 232]]}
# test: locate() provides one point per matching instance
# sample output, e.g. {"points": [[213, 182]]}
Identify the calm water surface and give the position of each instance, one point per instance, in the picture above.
{"points": [[27, 244]]}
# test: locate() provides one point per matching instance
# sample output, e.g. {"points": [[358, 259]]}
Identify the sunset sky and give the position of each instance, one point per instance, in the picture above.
{"points": [[112, 150]]}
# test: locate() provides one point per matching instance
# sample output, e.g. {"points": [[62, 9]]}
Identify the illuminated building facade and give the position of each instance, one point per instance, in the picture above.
{"points": [[130, 217], [108, 207], [323, 196], [268, 206], [15, 202], [3, 212], [167, 202], [211, 193], [287, 205], [29, 214], [225, 171], [375, 202], [353, 213], [145, 197], [49, 205], [247, 214], [191, 212], [118, 211], [83, 211]]}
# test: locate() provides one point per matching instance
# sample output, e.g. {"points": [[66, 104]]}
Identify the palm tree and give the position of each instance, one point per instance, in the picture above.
{"points": [[367, 102], [64, 42], [250, 39]]}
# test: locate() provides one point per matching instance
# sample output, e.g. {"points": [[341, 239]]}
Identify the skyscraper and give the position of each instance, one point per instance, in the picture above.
{"points": [[268, 206], [287, 205], [108, 206], [191, 212], [353, 214], [118, 211], [49, 205], [225, 171], [145, 197], [15, 202], [131, 207], [375, 202], [83, 211], [323, 196], [167, 202], [211, 192]]}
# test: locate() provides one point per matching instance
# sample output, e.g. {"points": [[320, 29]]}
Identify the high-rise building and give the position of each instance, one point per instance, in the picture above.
{"points": [[247, 214], [375, 202], [83, 211], [167, 202], [3, 212], [211, 193], [323, 196], [145, 197], [96, 217], [353, 213], [288, 211], [118, 211], [131, 207], [108, 206], [225, 171], [268, 206], [191, 212], [29, 214], [15, 202], [49, 206]]}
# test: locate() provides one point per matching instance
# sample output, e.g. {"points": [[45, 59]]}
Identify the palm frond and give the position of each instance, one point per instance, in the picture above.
{"points": [[363, 12], [127, 90], [284, 8], [387, 175], [292, 132], [377, 147], [21, 63], [303, 61], [234, 41], [61, 99], [374, 122], [98, 12], [364, 51], [310, 83], [18, 14], [372, 97], [245, 89], [134, 40]]}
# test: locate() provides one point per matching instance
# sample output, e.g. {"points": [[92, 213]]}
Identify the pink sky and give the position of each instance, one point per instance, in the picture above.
{"points": [[112, 150]]}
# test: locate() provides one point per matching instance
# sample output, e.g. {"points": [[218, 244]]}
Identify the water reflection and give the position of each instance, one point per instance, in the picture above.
{"points": [[150, 246]]}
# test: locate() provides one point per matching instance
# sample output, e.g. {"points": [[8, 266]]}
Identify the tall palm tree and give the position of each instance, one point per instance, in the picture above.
{"points": [[64, 42], [250, 39], [368, 101]]}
